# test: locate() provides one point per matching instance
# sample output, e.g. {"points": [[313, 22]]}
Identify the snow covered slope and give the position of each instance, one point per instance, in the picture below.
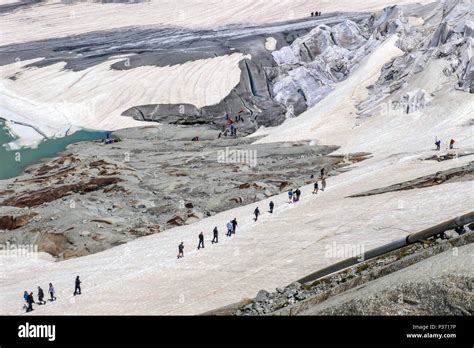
{"points": [[56, 19]]}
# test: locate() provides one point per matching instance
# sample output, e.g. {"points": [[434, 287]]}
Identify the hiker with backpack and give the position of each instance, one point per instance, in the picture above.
{"points": [[30, 300], [298, 194]]}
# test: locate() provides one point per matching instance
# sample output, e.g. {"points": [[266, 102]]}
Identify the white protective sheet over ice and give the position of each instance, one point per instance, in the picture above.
{"points": [[56, 101]]}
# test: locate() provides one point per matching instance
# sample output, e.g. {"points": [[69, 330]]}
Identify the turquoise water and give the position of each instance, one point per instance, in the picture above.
{"points": [[12, 163]]}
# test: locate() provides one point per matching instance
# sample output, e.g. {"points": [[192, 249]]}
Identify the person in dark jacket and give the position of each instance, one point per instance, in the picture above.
{"points": [[272, 205], [77, 288], [201, 241], [30, 300], [316, 188], [181, 250], [256, 213], [298, 194], [234, 225], [41, 296], [216, 236]]}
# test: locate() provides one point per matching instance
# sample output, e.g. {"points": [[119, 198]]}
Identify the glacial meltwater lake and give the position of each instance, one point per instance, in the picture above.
{"points": [[13, 162]]}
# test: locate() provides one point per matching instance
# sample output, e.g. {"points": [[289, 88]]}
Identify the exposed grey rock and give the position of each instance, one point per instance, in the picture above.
{"points": [[450, 235], [261, 296]]}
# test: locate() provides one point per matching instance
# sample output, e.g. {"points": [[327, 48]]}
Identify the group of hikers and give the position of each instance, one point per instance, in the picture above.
{"points": [[316, 14], [29, 299], [438, 144], [294, 196], [323, 182], [231, 229], [230, 128]]}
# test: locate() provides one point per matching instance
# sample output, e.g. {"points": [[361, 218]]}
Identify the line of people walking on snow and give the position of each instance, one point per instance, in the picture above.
{"points": [[29, 297], [294, 196], [316, 14]]}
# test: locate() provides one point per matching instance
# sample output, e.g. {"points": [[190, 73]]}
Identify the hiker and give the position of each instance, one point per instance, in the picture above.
{"points": [[298, 194], [195, 139], [234, 225], [271, 207], [30, 300], [451, 144], [323, 184], [256, 213], [51, 292], [181, 250], [215, 239], [77, 289], [220, 135], [294, 197], [230, 227], [312, 14], [312, 176], [316, 188], [322, 172], [41, 296], [25, 296], [438, 145], [290, 196], [201, 241]]}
